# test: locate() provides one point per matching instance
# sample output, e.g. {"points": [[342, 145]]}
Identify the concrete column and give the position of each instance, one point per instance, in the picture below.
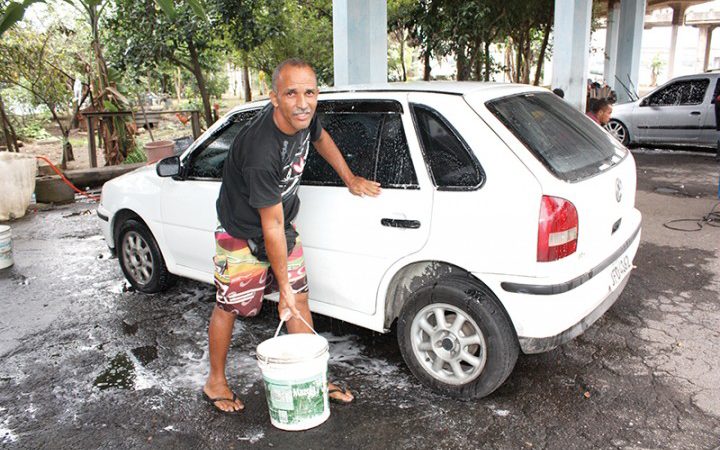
{"points": [[703, 49], [571, 49], [632, 16], [677, 20], [360, 41], [611, 41]]}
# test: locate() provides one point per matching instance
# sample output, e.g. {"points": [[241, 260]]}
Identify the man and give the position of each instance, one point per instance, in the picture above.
{"points": [[600, 111], [258, 249]]}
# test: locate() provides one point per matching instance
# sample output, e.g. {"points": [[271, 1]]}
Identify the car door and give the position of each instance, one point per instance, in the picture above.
{"points": [[350, 241], [674, 113], [188, 202], [710, 134]]}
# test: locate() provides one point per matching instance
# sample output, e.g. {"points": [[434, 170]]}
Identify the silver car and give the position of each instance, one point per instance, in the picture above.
{"points": [[680, 112]]}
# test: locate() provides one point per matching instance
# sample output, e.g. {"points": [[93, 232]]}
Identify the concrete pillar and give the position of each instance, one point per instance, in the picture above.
{"points": [[571, 49], [677, 21], [611, 41], [632, 16], [360, 41], [704, 45]]}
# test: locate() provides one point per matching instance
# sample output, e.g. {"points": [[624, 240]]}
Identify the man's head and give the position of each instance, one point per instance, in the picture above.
{"points": [[559, 92], [602, 110], [294, 95]]}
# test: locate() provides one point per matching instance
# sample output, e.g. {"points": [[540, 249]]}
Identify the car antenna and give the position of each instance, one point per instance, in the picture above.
{"points": [[629, 93], [633, 86]]}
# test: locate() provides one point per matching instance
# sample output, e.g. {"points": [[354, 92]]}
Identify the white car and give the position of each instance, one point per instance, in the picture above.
{"points": [[506, 222]]}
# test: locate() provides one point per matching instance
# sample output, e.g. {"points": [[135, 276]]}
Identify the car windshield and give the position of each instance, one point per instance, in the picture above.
{"points": [[568, 144]]}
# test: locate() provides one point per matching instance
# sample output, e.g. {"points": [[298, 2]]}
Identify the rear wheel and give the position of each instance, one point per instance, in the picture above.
{"points": [[619, 131], [140, 258], [457, 339]]}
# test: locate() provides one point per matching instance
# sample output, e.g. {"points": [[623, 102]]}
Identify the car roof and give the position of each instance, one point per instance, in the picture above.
{"points": [[441, 87], [489, 89]]}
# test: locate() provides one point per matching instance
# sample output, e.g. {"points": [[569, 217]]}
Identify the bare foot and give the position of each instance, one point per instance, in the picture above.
{"points": [[222, 397], [339, 395]]}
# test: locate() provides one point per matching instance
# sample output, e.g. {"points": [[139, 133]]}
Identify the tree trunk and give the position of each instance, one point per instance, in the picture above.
{"points": [[8, 130], [426, 66], [247, 91], [197, 71], [528, 58], [541, 58], [178, 85], [487, 57], [461, 64], [401, 37]]}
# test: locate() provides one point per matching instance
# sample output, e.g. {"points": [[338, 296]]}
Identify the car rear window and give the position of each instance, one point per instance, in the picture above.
{"points": [[568, 144]]}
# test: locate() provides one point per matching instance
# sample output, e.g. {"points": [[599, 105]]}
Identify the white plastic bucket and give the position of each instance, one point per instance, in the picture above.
{"points": [[6, 257], [294, 369], [17, 183]]}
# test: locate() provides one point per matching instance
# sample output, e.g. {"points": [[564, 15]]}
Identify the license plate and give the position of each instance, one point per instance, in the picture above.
{"points": [[619, 270]]}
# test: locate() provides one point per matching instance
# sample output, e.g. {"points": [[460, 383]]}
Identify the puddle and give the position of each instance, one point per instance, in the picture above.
{"points": [[146, 354], [120, 374], [129, 328]]}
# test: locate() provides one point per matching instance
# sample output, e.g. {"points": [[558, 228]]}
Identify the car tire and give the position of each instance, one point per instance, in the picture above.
{"points": [[619, 131], [469, 360], [140, 258]]}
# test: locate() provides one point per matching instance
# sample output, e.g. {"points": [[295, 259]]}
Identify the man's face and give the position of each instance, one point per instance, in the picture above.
{"points": [[604, 115], [295, 99]]}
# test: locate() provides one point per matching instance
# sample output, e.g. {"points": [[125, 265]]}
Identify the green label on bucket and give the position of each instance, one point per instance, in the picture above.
{"points": [[295, 402]]}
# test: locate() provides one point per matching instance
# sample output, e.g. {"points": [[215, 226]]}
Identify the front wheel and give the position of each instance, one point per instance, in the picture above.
{"points": [[140, 258], [619, 131], [457, 339]]}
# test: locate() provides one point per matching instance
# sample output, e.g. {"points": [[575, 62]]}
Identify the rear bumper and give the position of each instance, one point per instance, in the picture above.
{"points": [[546, 316], [544, 344]]}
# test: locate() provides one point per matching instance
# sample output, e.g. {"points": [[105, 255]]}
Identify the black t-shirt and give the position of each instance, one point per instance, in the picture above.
{"points": [[263, 168]]}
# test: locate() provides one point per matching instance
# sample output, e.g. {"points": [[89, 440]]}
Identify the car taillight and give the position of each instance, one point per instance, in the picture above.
{"points": [[557, 229]]}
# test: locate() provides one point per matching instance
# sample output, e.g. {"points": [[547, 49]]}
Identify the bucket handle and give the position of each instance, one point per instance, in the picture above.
{"points": [[285, 317]]}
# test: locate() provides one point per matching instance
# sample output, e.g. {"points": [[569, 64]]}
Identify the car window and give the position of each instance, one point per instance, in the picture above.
{"points": [[452, 165], [372, 140], [559, 136], [209, 159], [686, 92]]}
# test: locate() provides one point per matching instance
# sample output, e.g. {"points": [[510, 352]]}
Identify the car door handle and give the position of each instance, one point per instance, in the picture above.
{"points": [[695, 113], [400, 223]]}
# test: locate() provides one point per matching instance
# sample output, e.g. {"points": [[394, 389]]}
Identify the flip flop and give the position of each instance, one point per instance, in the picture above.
{"points": [[337, 400], [213, 402]]}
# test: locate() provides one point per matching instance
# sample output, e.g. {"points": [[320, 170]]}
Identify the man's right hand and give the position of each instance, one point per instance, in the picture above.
{"points": [[287, 303]]}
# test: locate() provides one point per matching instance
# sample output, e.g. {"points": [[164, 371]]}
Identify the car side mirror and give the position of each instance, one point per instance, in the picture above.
{"points": [[168, 167]]}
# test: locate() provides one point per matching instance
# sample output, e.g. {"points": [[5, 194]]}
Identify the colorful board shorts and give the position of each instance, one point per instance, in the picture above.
{"points": [[242, 280]]}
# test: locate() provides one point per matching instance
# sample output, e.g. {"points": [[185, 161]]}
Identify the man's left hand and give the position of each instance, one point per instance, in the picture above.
{"points": [[361, 187]]}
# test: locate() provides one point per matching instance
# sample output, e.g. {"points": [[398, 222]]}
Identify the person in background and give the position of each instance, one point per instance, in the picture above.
{"points": [[599, 110]]}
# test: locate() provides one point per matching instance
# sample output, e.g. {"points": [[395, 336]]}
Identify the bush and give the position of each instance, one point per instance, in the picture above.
{"points": [[136, 155], [33, 131]]}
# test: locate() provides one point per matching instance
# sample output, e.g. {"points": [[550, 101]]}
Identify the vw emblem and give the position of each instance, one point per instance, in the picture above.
{"points": [[618, 190]]}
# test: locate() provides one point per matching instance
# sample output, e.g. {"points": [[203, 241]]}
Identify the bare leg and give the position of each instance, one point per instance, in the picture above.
{"points": [[219, 334], [297, 326]]}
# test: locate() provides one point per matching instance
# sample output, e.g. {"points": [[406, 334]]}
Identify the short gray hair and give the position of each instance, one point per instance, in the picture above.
{"points": [[293, 62]]}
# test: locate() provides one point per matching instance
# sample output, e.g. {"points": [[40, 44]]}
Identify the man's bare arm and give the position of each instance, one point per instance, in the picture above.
{"points": [[272, 220], [357, 185]]}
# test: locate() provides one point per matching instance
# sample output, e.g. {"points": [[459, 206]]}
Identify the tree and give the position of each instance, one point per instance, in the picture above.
{"points": [[41, 63], [144, 38], [399, 24], [266, 32]]}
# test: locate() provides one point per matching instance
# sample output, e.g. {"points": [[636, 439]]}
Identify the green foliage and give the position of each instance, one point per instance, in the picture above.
{"points": [[13, 13], [266, 32], [136, 155], [33, 131]]}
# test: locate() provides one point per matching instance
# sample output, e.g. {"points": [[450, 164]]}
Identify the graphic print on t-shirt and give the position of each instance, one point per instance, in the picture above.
{"points": [[294, 165]]}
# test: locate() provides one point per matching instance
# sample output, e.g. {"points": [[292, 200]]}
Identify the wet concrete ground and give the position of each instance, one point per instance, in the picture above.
{"points": [[86, 363]]}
